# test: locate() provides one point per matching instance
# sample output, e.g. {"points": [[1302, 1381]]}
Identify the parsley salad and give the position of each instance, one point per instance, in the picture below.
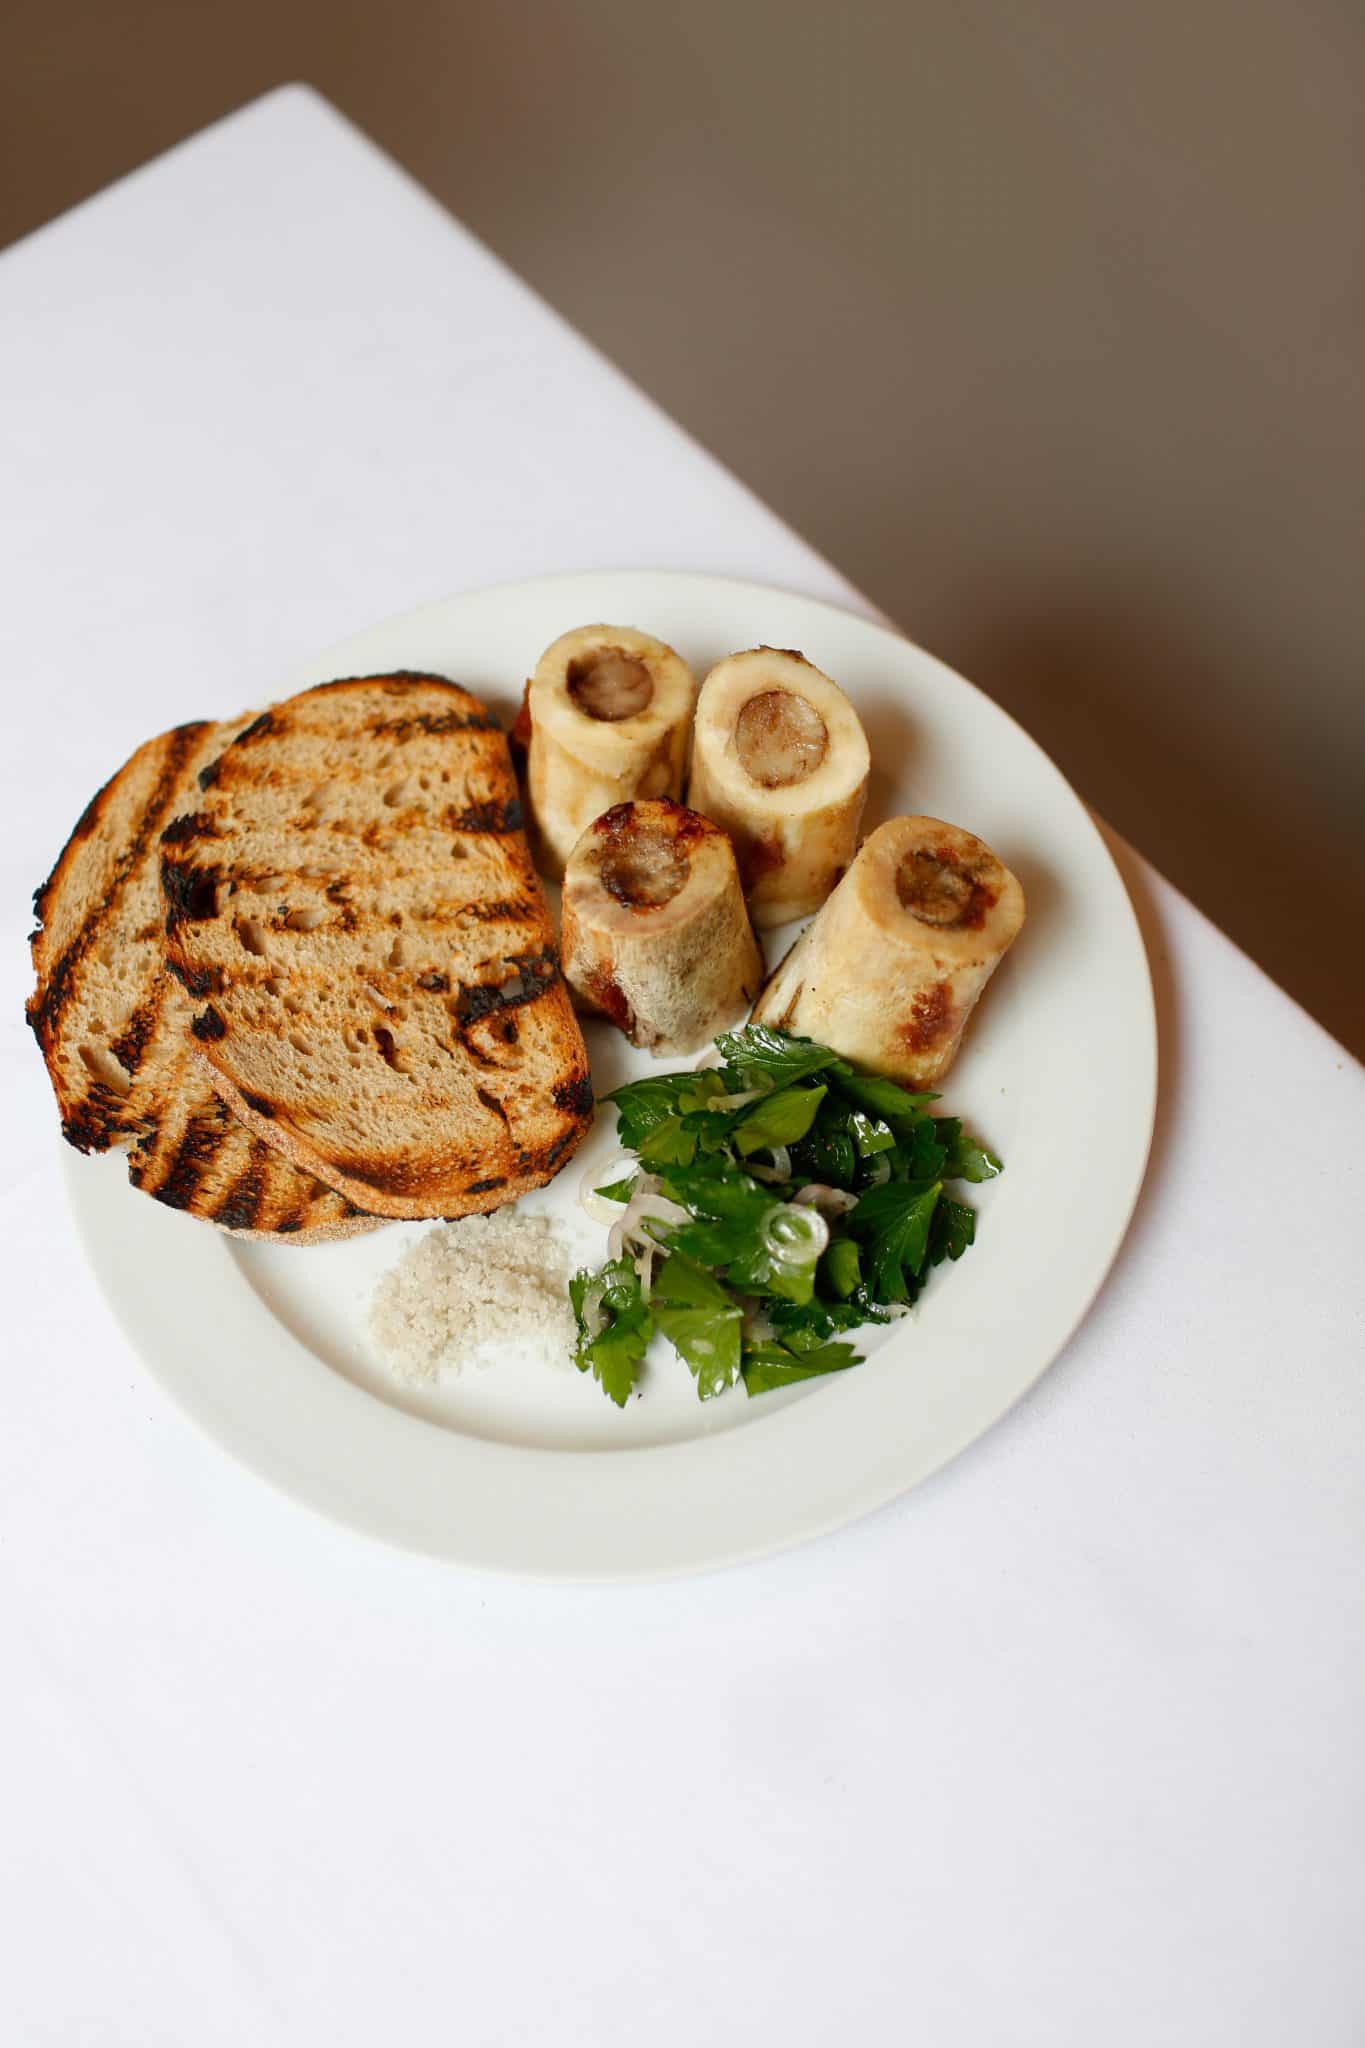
{"points": [[768, 1206]]}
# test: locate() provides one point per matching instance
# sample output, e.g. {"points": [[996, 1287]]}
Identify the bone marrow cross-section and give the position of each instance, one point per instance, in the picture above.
{"points": [[606, 720], [891, 969], [609, 684], [780, 763], [656, 935], [780, 738]]}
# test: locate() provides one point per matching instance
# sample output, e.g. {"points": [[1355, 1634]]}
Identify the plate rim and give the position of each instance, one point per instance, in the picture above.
{"points": [[209, 1417]]}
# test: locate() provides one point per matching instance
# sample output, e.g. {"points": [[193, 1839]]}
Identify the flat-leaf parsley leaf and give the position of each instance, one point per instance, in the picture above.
{"points": [[753, 1283]]}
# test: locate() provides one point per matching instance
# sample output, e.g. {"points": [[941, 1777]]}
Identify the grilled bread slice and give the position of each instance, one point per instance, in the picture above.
{"points": [[352, 904], [113, 1027]]}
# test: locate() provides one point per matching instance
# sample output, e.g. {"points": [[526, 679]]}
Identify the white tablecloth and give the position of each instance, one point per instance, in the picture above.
{"points": [[1064, 1747]]}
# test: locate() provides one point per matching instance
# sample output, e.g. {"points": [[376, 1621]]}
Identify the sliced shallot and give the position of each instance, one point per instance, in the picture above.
{"points": [[644, 1206], [594, 1321], [781, 1169], [600, 1207], [832, 1201]]}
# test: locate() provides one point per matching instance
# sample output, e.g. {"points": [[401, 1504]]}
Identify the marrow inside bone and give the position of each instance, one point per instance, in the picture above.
{"points": [[610, 685]]}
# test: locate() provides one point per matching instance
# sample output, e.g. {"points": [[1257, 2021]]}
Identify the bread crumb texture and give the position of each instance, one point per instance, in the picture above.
{"points": [[471, 1290]]}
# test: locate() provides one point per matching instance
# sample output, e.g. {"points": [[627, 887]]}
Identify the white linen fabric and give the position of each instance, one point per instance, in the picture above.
{"points": [[1063, 1747]]}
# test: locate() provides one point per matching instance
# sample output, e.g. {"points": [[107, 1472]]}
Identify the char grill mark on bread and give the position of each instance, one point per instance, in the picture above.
{"points": [[78, 911], [353, 895], [112, 1026]]}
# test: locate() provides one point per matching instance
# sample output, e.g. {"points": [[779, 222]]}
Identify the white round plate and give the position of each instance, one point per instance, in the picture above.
{"points": [[526, 1467]]}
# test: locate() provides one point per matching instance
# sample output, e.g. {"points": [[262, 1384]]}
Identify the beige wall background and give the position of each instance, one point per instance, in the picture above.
{"points": [[1046, 323]]}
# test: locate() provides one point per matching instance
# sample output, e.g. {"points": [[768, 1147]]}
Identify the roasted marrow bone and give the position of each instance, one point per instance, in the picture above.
{"points": [[606, 719], [891, 969], [780, 762], [656, 936]]}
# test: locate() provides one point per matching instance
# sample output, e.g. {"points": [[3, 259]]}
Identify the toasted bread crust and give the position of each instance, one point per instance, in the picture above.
{"points": [[112, 1026], [378, 991], [78, 908], [201, 1159]]}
